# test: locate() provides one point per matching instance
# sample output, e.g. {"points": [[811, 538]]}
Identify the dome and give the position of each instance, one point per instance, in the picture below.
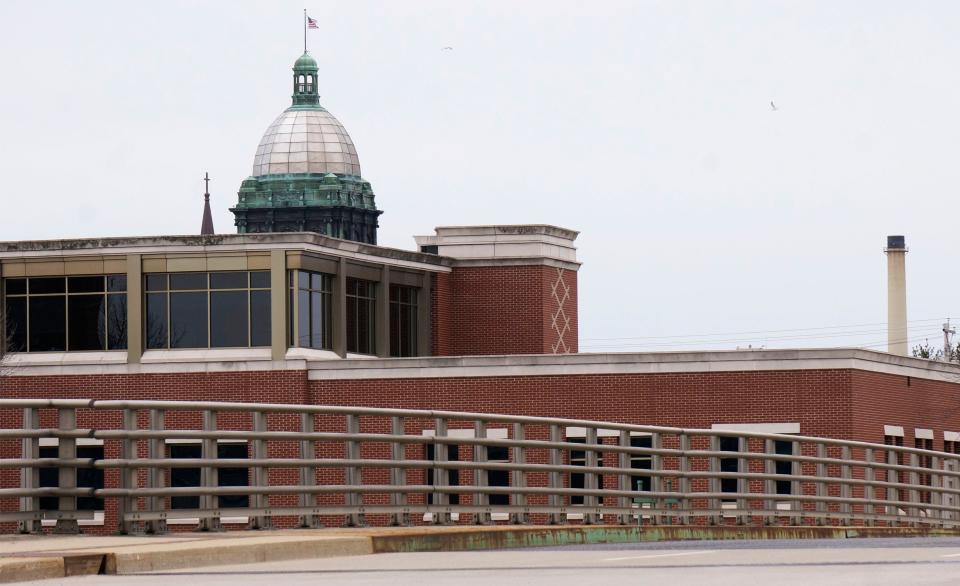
{"points": [[305, 63], [306, 140]]}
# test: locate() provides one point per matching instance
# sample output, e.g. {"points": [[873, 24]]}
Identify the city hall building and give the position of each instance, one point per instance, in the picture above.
{"points": [[302, 306]]}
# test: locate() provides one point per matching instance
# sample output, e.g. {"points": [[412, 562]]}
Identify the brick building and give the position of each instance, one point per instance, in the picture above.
{"points": [[303, 307]]}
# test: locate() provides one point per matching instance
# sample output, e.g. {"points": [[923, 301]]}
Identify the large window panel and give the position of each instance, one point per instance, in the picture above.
{"points": [[228, 319], [311, 298], [86, 324], [403, 321], [260, 318], [361, 316], [47, 324], [208, 310], [188, 319], [55, 314], [156, 333], [16, 316]]}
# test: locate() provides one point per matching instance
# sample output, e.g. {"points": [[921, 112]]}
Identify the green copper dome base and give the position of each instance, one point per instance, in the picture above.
{"points": [[341, 206]]}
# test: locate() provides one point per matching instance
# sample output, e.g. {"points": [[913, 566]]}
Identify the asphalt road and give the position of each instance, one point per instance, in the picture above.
{"points": [[873, 562]]}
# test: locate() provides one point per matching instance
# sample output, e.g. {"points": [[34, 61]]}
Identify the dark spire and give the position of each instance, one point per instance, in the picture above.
{"points": [[206, 228]]}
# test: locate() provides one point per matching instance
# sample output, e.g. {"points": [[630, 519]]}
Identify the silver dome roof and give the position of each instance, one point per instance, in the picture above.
{"points": [[306, 141]]}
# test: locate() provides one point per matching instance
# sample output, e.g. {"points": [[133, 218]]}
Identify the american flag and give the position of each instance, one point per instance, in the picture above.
{"points": [[312, 23]]}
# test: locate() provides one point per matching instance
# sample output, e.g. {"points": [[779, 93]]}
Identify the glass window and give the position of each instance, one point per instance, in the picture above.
{"points": [[228, 318], [55, 314], [403, 321], [453, 475], [185, 477], [85, 284], [116, 283], [228, 280], [641, 461], [312, 307], [46, 285], [86, 324], [785, 467], [16, 286], [361, 316], [227, 314], [116, 322], [46, 325], [190, 477], [156, 333], [260, 318], [729, 444], [188, 319], [86, 478], [17, 323], [498, 477], [578, 479], [260, 280], [187, 281]]}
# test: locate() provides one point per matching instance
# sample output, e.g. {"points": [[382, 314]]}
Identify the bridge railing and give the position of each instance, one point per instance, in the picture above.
{"points": [[160, 462]]}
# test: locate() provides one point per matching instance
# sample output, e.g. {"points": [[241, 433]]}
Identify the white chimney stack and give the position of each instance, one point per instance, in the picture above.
{"points": [[896, 250]]}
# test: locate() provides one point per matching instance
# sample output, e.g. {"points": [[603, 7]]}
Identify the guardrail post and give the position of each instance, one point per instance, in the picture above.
{"points": [[155, 479], [441, 478], [208, 476], [398, 476], [623, 479], [869, 477], [352, 474], [590, 478], [846, 473], [657, 481], [684, 481], [553, 478], [519, 477], [821, 484], [30, 476], [893, 476], [770, 485], [67, 475], [308, 474], [128, 475], [716, 518], [936, 497], [259, 473], [914, 493], [481, 477]]}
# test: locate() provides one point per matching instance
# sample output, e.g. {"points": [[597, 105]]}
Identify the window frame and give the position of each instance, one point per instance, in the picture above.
{"points": [[106, 293], [166, 292]]}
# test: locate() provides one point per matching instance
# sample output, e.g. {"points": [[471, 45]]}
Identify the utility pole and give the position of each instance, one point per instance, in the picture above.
{"points": [[947, 348]]}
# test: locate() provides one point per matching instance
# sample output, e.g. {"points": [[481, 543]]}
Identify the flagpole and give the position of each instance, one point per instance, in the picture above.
{"points": [[304, 30]]}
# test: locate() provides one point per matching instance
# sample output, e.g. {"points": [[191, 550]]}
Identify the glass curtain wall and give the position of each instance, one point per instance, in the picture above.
{"points": [[403, 321], [207, 310], [57, 314], [311, 310], [361, 316]]}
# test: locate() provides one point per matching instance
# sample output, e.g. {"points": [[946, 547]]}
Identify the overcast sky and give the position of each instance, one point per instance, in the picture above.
{"points": [[647, 126]]}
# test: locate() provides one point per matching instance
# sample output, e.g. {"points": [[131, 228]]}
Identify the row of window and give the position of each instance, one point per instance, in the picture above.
{"points": [[201, 310]]}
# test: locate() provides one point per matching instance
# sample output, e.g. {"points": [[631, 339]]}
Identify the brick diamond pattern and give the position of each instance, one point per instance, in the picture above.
{"points": [[559, 320]]}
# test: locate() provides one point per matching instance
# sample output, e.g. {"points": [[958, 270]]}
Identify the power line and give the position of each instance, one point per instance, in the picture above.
{"points": [[745, 340], [819, 328]]}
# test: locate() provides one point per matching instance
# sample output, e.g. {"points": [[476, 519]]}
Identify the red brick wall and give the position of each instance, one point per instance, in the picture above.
{"points": [[820, 400], [882, 399], [507, 310], [441, 299]]}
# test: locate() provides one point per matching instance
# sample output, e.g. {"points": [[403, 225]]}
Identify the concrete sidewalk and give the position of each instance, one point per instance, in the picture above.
{"points": [[33, 557]]}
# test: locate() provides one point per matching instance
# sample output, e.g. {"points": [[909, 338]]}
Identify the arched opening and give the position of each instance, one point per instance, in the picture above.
{"points": [[301, 86]]}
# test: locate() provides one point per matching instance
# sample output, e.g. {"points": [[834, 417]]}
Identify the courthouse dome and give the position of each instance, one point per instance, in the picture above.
{"points": [[306, 139]]}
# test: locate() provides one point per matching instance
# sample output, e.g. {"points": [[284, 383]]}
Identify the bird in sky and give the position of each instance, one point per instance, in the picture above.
{"points": [[773, 106], [447, 49]]}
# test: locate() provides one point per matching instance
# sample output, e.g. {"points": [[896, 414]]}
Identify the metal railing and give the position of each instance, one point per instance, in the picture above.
{"points": [[313, 465]]}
